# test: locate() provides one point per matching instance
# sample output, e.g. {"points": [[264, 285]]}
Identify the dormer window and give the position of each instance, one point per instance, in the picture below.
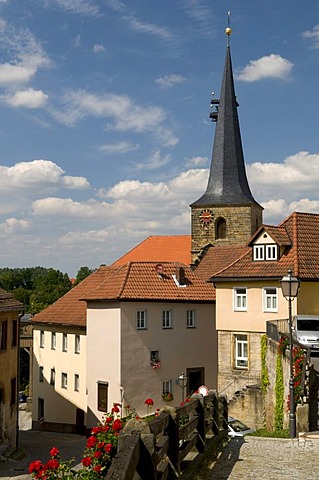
{"points": [[265, 252]]}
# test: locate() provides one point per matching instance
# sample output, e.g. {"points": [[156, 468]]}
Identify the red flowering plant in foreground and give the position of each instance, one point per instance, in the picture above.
{"points": [[101, 448], [298, 357]]}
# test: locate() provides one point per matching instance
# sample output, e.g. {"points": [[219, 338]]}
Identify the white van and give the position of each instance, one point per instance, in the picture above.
{"points": [[306, 330]]}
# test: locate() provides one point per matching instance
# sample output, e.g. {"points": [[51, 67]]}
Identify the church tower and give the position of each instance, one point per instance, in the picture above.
{"points": [[226, 213]]}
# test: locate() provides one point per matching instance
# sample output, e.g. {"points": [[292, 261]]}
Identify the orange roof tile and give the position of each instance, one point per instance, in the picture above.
{"points": [[218, 258], [69, 310], [159, 248], [141, 281], [302, 258]]}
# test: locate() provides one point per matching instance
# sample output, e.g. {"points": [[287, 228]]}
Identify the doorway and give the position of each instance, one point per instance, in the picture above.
{"points": [[195, 378]]}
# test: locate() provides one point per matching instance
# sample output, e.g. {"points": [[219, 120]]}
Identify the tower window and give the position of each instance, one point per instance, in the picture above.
{"points": [[220, 228]]}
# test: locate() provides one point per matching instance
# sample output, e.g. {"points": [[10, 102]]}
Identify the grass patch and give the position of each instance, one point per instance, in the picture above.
{"points": [[276, 434]]}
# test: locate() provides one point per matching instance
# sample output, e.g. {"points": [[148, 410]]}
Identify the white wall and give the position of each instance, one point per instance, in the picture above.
{"points": [[60, 404]]}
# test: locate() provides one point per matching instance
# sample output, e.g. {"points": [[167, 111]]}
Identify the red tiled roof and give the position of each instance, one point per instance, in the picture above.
{"points": [[218, 258], [141, 281], [8, 302], [278, 234], [302, 258], [159, 248], [69, 310]]}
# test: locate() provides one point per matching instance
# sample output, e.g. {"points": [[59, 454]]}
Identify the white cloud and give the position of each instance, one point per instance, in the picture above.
{"points": [[154, 161], [168, 81], [124, 113], [296, 176], [82, 7], [29, 98], [115, 5], [118, 148], [161, 32], [271, 66], [196, 162], [97, 48], [37, 175], [78, 237], [13, 225], [313, 34]]}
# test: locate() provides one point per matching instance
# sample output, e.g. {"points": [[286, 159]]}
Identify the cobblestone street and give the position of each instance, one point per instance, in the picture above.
{"points": [[266, 458]]}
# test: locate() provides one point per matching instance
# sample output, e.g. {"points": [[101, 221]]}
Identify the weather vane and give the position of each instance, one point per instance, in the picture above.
{"points": [[228, 30]]}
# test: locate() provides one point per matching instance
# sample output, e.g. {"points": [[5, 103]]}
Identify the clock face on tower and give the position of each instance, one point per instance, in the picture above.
{"points": [[206, 217]]}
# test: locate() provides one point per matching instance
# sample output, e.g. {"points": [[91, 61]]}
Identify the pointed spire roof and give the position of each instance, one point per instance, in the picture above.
{"points": [[227, 184]]}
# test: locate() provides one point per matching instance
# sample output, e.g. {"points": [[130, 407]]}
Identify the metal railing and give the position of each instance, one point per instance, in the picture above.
{"points": [[243, 380]]}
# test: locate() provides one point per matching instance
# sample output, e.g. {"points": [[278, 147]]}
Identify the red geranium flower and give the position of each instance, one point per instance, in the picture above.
{"points": [[115, 409], [96, 430], [91, 442], [117, 425], [108, 447], [52, 464], [97, 454], [54, 452], [100, 444], [97, 468], [35, 466], [86, 461], [149, 402]]}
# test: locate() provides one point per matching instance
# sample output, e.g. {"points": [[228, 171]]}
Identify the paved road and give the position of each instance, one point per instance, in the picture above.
{"points": [[266, 459], [251, 458], [37, 445]]}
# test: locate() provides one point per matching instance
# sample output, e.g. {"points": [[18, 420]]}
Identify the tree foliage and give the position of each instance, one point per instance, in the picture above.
{"points": [[83, 273], [35, 287]]}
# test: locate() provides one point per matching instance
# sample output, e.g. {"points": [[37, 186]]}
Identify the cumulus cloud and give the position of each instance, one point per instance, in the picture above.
{"points": [[124, 114], [313, 35], [13, 225], [118, 148], [39, 174], [78, 237], [271, 66], [297, 175], [29, 98], [168, 81]]}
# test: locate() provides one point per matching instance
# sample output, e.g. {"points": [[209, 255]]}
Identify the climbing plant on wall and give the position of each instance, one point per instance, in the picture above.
{"points": [[264, 370], [279, 393]]}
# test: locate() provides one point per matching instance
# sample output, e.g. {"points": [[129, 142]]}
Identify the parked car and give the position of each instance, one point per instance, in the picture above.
{"points": [[22, 397], [236, 428], [306, 331]]}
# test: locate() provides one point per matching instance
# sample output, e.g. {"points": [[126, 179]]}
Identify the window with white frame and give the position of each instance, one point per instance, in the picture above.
{"points": [[271, 252], [270, 299], [64, 380], [167, 386], [167, 318], [141, 320], [41, 339], [76, 382], [190, 319], [64, 342], [240, 299], [241, 351], [41, 376], [259, 252], [77, 344], [53, 340], [52, 376]]}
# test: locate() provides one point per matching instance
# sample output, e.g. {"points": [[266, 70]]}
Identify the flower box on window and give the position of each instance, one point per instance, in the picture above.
{"points": [[155, 364], [168, 397]]}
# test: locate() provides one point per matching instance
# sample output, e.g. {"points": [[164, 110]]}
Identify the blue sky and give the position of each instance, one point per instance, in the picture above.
{"points": [[105, 132]]}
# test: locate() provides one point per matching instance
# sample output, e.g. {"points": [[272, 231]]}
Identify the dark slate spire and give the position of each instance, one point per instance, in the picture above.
{"points": [[227, 184]]}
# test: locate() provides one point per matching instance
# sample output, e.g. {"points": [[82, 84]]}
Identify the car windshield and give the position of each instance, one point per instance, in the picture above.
{"points": [[238, 426], [308, 325]]}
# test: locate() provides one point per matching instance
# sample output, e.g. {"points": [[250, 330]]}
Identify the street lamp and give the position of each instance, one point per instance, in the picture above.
{"points": [[182, 382], [290, 288]]}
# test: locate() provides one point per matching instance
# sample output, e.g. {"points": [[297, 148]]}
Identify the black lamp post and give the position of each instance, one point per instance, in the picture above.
{"points": [[290, 288], [182, 382]]}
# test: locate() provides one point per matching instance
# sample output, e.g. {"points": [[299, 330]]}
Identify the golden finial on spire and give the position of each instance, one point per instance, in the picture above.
{"points": [[228, 30]]}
